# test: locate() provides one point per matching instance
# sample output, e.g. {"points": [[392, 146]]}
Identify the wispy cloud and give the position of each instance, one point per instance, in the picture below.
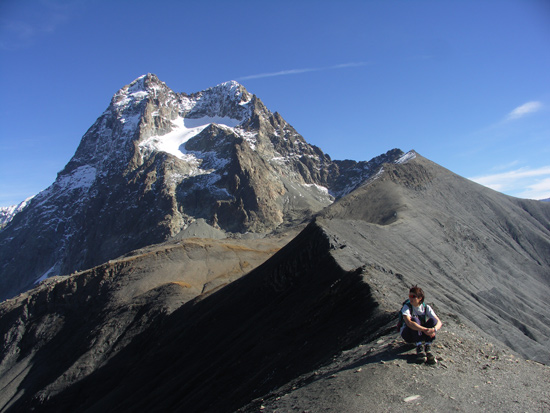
{"points": [[525, 109], [21, 27], [507, 129], [522, 182], [15, 34], [506, 166], [304, 70]]}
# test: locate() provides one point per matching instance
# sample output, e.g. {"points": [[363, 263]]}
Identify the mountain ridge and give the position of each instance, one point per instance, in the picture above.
{"points": [[214, 261], [296, 318]]}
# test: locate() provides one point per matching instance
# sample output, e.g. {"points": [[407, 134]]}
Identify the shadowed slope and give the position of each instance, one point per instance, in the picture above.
{"points": [[68, 327], [217, 353]]}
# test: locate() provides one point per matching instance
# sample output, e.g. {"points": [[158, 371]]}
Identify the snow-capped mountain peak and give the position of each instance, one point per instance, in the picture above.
{"points": [[141, 88], [7, 213], [229, 99], [156, 162], [234, 90]]}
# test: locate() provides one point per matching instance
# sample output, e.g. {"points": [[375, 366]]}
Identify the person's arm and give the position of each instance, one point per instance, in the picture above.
{"points": [[438, 324], [413, 325], [430, 332]]}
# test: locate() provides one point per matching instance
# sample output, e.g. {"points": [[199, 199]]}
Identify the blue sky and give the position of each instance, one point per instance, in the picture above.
{"points": [[464, 83]]}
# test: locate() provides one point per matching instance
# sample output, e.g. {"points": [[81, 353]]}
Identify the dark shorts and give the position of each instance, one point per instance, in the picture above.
{"points": [[413, 336]]}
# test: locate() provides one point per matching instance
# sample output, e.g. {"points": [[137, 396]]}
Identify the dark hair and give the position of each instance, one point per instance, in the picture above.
{"points": [[416, 290]]}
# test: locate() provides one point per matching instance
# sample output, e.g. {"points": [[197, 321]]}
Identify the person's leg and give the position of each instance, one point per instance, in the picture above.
{"points": [[430, 358], [415, 337], [430, 323], [410, 335]]}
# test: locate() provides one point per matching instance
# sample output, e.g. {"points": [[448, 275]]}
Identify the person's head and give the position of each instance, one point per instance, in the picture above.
{"points": [[416, 292]]}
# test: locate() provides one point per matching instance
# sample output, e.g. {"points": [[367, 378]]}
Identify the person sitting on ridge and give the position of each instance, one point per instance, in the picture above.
{"points": [[420, 325]]}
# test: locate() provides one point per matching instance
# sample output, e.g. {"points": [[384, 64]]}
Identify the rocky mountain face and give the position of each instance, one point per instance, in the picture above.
{"points": [[158, 165], [310, 325]]}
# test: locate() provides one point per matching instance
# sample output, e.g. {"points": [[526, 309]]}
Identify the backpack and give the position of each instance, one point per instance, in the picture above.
{"points": [[400, 320]]}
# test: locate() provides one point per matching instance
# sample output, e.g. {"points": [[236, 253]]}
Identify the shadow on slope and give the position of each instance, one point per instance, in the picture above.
{"points": [[68, 327], [217, 353]]}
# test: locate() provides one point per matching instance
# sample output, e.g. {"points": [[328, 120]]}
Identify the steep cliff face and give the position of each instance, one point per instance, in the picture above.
{"points": [[157, 162]]}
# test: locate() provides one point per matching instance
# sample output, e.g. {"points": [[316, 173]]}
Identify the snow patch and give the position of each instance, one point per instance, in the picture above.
{"points": [[7, 213], [184, 129], [133, 93], [47, 274], [250, 137], [81, 178], [246, 101], [406, 157], [320, 188], [131, 122], [377, 175], [281, 160]]}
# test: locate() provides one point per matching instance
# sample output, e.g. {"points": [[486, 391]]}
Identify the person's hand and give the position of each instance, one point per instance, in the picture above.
{"points": [[431, 332]]}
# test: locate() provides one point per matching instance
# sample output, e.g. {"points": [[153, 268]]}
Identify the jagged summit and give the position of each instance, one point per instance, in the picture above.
{"points": [[150, 82], [232, 88], [221, 100], [144, 83], [150, 114], [7, 213], [130, 96], [159, 164]]}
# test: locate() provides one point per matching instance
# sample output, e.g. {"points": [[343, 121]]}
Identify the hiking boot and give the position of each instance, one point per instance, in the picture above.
{"points": [[420, 356], [430, 358]]}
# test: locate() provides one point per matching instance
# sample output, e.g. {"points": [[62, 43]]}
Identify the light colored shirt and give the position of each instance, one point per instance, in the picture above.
{"points": [[419, 312]]}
